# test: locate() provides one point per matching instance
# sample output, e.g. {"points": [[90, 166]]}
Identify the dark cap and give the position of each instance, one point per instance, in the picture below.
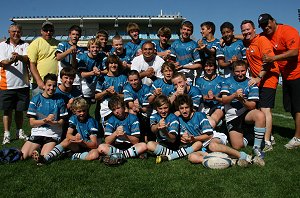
{"points": [[263, 19], [47, 23]]}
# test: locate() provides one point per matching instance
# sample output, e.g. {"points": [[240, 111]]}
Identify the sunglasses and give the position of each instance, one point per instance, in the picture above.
{"points": [[48, 30]]}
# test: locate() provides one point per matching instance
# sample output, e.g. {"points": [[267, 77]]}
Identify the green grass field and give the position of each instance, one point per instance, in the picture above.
{"points": [[144, 178]]}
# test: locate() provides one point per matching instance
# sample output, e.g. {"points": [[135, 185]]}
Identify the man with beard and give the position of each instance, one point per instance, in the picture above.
{"points": [[286, 45]]}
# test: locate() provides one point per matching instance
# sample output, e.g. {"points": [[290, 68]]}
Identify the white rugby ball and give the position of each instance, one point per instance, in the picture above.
{"points": [[216, 162], [217, 154]]}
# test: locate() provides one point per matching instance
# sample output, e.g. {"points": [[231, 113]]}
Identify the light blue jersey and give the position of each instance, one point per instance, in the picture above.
{"points": [[64, 46], [215, 44], [123, 57], [40, 107], [159, 48], [185, 52], [118, 82], [86, 64], [132, 48], [236, 108], [85, 129], [167, 88], [196, 126], [142, 95], [205, 85], [196, 96], [173, 126], [226, 52], [131, 126]]}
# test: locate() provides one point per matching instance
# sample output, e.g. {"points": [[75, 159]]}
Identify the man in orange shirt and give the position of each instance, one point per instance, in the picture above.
{"points": [[286, 44], [265, 75]]}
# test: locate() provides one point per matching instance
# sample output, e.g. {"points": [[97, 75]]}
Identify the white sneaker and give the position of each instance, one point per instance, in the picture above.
{"points": [[21, 135], [293, 143], [273, 140], [6, 138], [268, 146]]}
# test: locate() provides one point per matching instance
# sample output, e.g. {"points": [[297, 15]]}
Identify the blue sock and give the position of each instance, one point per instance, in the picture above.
{"points": [[181, 152], [161, 150], [258, 136], [56, 151], [243, 155]]}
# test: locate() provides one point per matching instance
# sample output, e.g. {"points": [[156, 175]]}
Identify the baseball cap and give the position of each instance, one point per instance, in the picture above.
{"points": [[263, 19], [47, 23]]}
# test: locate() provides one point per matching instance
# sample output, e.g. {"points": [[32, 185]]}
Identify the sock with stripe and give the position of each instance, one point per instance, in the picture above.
{"points": [[161, 150], [258, 136], [181, 152], [56, 151]]}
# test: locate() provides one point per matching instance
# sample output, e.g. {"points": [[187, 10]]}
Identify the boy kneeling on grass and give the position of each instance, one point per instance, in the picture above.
{"points": [[81, 136], [46, 114], [122, 131]]}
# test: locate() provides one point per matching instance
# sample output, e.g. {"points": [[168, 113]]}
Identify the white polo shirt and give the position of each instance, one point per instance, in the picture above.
{"points": [[14, 76]]}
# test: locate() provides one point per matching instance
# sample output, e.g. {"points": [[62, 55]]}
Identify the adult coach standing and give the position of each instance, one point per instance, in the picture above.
{"points": [[14, 81], [41, 53], [286, 44]]}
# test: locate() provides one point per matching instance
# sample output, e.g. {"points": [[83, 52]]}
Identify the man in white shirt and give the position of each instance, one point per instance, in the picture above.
{"points": [[14, 81], [148, 64]]}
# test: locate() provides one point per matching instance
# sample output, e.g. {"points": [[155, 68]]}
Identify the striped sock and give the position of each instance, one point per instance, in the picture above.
{"points": [[161, 150], [181, 152], [81, 156], [131, 152], [258, 136], [56, 151]]}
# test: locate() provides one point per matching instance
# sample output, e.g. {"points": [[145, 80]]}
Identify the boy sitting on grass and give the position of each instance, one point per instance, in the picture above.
{"points": [[122, 131], [81, 136], [46, 114], [165, 125]]}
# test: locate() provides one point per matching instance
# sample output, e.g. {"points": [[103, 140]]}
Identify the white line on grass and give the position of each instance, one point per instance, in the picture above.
{"points": [[282, 116]]}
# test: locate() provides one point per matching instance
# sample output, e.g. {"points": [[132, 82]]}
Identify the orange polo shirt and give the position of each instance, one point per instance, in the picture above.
{"points": [[259, 46], [286, 38]]}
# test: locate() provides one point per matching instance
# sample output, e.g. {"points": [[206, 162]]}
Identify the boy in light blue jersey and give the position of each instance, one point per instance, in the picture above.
{"points": [[90, 68], [46, 114], [230, 50], [102, 37], [208, 45], [163, 86], [122, 131], [210, 86], [109, 85], [119, 50], [136, 95], [81, 137], [162, 47], [240, 109], [165, 126], [133, 47], [67, 51], [67, 92], [182, 86], [187, 56], [196, 132]]}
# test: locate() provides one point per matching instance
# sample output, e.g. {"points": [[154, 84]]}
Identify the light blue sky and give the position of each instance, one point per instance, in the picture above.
{"points": [[197, 11]]}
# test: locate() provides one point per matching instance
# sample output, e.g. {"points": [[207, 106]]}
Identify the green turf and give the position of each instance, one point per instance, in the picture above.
{"points": [[179, 178]]}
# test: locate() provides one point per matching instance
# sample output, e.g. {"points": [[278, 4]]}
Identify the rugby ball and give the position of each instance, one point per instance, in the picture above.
{"points": [[217, 161]]}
